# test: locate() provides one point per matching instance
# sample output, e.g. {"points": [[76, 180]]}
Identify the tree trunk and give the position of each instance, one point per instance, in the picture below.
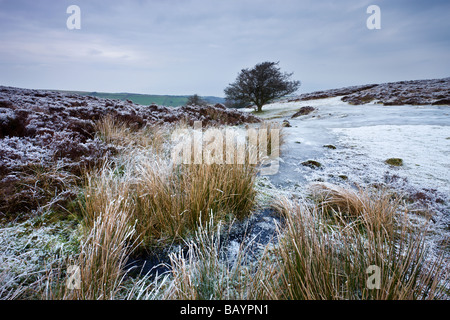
{"points": [[259, 108]]}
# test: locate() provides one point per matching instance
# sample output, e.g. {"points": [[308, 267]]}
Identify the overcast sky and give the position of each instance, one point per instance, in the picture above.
{"points": [[199, 46]]}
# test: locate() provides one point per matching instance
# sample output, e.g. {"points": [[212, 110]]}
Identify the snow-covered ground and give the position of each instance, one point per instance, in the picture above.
{"points": [[364, 136], [425, 150]]}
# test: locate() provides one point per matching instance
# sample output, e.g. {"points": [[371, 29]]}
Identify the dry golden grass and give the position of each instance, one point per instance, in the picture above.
{"points": [[374, 209], [203, 271], [171, 200], [168, 199], [325, 250], [104, 250], [319, 258], [142, 199], [104, 253], [112, 131]]}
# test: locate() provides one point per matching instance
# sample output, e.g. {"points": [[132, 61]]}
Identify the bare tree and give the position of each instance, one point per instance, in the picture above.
{"points": [[261, 85]]}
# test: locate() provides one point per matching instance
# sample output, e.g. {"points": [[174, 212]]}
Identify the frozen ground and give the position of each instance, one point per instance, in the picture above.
{"points": [[360, 138]]}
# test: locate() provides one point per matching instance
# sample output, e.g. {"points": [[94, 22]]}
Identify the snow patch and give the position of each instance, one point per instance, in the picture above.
{"points": [[424, 149]]}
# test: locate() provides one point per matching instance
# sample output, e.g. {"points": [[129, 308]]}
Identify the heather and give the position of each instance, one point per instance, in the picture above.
{"points": [[53, 135]]}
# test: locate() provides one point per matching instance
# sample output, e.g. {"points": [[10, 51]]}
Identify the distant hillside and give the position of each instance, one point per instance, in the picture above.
{"points": [[414, 92], [147, 99]]}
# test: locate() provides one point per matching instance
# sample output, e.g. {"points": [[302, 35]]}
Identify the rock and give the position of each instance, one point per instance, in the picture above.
{"points": [[329, 146], [394, 162], [303, 111], [286, 124], [312, 164]]}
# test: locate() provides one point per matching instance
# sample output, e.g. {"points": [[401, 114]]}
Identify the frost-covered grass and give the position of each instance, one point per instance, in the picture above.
{"points": [[140, 200], [46, 129], [167, 199], [326, 255], [141, 197], [28, 250], [286, 109], [364, 137], [319, 255], [376, 209]]}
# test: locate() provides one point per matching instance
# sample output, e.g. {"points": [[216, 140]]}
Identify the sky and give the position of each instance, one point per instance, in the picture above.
{"points": [[184, 47]]}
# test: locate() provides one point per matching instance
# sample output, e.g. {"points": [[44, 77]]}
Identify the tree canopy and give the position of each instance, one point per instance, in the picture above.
{"points": [[260, 85]]}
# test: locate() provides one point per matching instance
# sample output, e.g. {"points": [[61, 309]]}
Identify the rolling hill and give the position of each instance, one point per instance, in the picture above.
{"points": [[147, 99]]}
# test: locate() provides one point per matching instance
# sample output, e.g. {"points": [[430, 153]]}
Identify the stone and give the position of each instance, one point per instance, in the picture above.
{"points": [[286, 124], [394, 162], [303, 111], [312, 164]]}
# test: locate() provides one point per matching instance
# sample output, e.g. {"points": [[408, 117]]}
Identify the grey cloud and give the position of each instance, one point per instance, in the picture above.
{"points": [[183, 47]]}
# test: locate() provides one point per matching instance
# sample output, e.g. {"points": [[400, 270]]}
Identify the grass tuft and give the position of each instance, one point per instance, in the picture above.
{"points": [[322, 259]]}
